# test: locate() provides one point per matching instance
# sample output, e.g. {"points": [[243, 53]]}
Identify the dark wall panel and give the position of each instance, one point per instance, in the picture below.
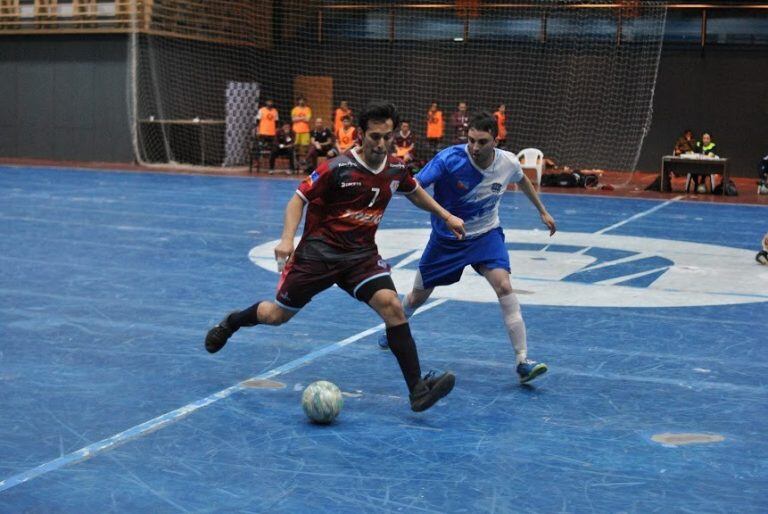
{"points": [[64, 98], [723, 91]]}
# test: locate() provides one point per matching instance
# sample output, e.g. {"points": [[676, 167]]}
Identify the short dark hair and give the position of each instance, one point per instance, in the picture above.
{"points": [[485, 122], [378, 110]]}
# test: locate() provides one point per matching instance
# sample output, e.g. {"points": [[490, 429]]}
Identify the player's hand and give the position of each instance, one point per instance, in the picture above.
{"points": [[456, 225], [549, 221], [283, 252]]}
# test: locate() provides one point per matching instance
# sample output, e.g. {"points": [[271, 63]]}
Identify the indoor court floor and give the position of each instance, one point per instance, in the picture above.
{"points": [[651, 314]]}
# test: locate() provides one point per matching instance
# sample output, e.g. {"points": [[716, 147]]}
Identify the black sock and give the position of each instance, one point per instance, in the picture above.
{"points": [[245, 318], [404, 347]]}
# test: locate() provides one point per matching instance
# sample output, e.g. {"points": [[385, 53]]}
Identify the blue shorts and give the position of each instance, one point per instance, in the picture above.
{"points": [[444, 260]]}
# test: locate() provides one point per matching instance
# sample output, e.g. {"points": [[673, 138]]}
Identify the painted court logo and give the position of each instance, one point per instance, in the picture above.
{"points": [[588, 270]]}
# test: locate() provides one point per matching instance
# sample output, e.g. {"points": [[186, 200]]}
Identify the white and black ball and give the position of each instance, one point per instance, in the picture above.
{"points": [[322, 401]]}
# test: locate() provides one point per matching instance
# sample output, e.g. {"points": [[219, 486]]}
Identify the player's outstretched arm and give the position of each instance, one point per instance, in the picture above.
{"points": [[293, 212], [421, 199], [527, 187]]}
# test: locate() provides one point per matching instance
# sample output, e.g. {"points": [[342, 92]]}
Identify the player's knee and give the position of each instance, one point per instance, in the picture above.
{"points": [[274, 315], [502, 289], [393, 307], [389, 307]]}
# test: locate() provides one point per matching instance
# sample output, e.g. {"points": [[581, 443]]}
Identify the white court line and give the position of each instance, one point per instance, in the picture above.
{"points": [[639, 215], [171, 417], [631, 218], [624, 278], [415, 255]]}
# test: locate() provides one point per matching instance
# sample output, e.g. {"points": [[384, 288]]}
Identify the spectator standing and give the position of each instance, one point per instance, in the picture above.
{"points": [[301, 115], [267, 119], [435, 128], [501, 121]]}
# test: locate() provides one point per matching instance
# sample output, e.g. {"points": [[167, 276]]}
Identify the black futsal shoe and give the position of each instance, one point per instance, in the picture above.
{"points": [[217, 336], [430, 389]]}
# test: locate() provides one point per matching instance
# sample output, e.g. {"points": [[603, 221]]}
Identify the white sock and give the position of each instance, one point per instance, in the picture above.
{"points": [[513, 319]]}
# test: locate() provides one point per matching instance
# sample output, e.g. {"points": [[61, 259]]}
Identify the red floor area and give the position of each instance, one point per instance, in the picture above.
{"points": [[624, 184]]}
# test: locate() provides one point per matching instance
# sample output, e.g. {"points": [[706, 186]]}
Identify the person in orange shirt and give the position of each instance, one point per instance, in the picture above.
{"points": [[435, 127], [345, 136], [266, 128], [501, 120], [341, 111], [300, 116]]}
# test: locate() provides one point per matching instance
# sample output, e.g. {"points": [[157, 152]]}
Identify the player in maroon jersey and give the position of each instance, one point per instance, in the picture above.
{"points": [[346, 198]]}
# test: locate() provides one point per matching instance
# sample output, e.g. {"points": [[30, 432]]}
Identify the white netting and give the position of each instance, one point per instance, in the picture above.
{"points": [[577, 78]]}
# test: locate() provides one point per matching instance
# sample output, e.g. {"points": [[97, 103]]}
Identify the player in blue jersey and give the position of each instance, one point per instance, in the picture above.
{"points": [[469, 181]]}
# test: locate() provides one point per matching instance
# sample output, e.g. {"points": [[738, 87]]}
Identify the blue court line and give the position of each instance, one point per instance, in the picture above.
{"points": [[171, 417]]}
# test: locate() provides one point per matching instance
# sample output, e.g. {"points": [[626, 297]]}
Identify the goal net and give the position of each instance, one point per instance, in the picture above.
{"points": [[577, 78]]}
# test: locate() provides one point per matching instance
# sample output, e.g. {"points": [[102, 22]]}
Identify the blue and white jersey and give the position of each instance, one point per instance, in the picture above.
{"points": [[471, 193]]}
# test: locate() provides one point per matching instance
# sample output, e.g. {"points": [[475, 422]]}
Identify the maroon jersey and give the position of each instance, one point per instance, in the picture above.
{"points": [[460, 122], [346, 201]]}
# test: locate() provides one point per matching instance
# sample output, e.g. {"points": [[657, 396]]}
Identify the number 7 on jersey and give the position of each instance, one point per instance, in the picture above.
{"points": [[376, 192]]}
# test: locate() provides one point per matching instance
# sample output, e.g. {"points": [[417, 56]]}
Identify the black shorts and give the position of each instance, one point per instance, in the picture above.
{"points": [[302, 278]]}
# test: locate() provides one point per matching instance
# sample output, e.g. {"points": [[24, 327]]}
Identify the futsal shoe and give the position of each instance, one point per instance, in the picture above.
{"points": [[528, 370], [430, 389], [217, 336], [383, 343]]}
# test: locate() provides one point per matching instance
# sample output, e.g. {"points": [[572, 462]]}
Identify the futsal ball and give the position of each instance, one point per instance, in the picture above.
{"points": [[701, 188], [322, 401]]}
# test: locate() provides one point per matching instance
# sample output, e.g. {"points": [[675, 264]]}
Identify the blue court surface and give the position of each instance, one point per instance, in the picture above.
{"points": [[651, 315]]}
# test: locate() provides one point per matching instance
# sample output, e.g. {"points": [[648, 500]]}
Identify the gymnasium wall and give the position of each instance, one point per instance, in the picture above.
{"points": [[723, 91], [64, 97]]}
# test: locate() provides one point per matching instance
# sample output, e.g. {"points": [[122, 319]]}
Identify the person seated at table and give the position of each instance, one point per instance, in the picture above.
{"points": [[685, 143], [705, 147]]}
